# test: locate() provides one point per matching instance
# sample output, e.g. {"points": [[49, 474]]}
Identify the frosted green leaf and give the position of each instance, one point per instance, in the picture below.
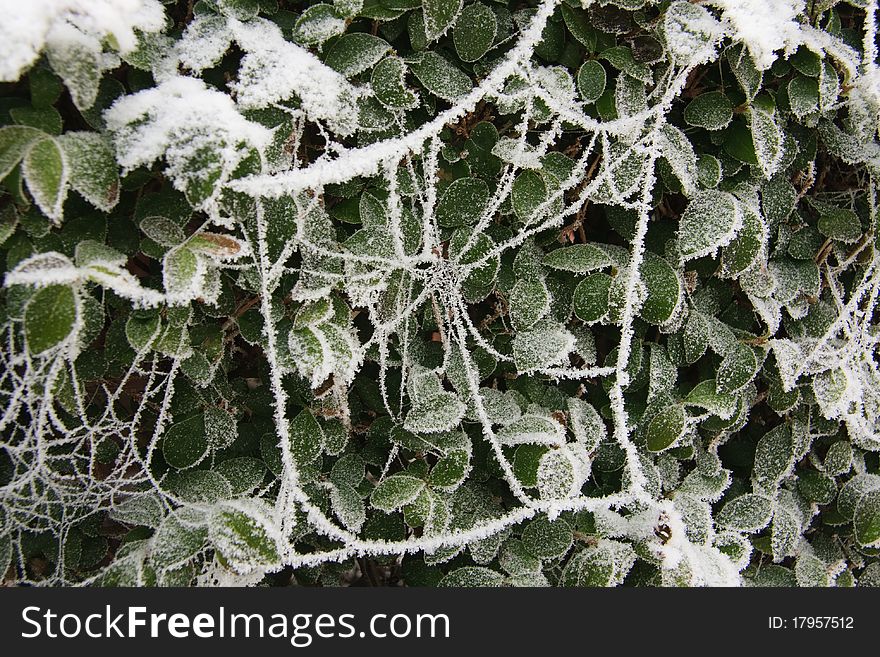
{"points": [[774, 457], [705, 395], [348, 469], [784, 532], [355, 53], [439, 15], [450, 471], [46, 171], [181, 271], [185, 443], [544, 345], [220, 427], [314, 313], [621, 58], [395, 492], [710, 221], [838, 458], [472, 577], [529, 301], [145, 510], [747, 513], [743, 66], [545, 539], [803, 96], [810, 571], [577, 258], [666, 428], [663, 287], [767, 140], [244, 474], [348, 506], [690, 31], [586, 424], [679, 153], [348, 7], [578, 23], [317, 24], [737, 369], [838, 223], [162, 230], [175, 542], [474, 31], [708, 171], [306, 437], [630, 97], [244, 533], [534, 430], [591, 297], [14, 143], [829, 86], [742, 252], [440, 77], [853, 490], [462, 202], [388, 82], [529, 191], [866, 521], [49, 317], [439, 413], [712, 111], [77, 61], [557, 476], [605, 564], [591, 80], [93, 170]]}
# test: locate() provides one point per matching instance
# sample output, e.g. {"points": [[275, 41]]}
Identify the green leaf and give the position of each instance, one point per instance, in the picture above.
{"points": [[244, 533], [803, 96], [666, 428], [306, 437], [450, 471], [591, 297], [664, 289], [529, 191], [744, 69], [441, 412], [46, 171], [462, 203], [395, 492], [742, 252], [472, 577], [712, 111], [317, 24], [605, 564], [79, 65], [529, 301], [388, 82], [139, 330], [838, 223], [767, 140], [746, 513], [14, 143], [185, 443], [705, 395], [181, 272], [49, 317], [440, 77], [439, 15], [710, 221], [547, 540], [866, 521], [355, 53], [577, 258], [774, 458], [474, 32], [348, 506], [578, 23], [591, 80], [737, 369], [542, 346], [93, 170]]}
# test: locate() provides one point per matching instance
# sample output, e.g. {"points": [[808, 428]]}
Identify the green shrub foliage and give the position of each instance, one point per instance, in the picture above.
{"points": [[441, 292]]}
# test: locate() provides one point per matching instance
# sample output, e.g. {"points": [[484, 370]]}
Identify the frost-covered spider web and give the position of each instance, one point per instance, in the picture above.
{"points": [[398, 268]]}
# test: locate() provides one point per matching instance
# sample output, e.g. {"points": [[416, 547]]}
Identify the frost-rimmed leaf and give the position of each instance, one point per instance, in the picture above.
{"points": [[591, 297], [737, 369], [388, 82], [46, 171], [395, 492], [712, 111], [544, 345], [355, 53], [664, 289], [246, 535], [439, 16], [14, 143], [666, 428], [472, 577], [462, 202], [317, 24], [767, 140], [440, 77], [529, 301], [866, 521], [49, 317], [185, 443], [591, 80], [746, 513], [711, 220], [435, 414], [474, 32], [93, 170], [577, 258]]}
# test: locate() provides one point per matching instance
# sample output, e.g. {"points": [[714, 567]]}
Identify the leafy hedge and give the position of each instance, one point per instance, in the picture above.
{"points": [[494, 292]]}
